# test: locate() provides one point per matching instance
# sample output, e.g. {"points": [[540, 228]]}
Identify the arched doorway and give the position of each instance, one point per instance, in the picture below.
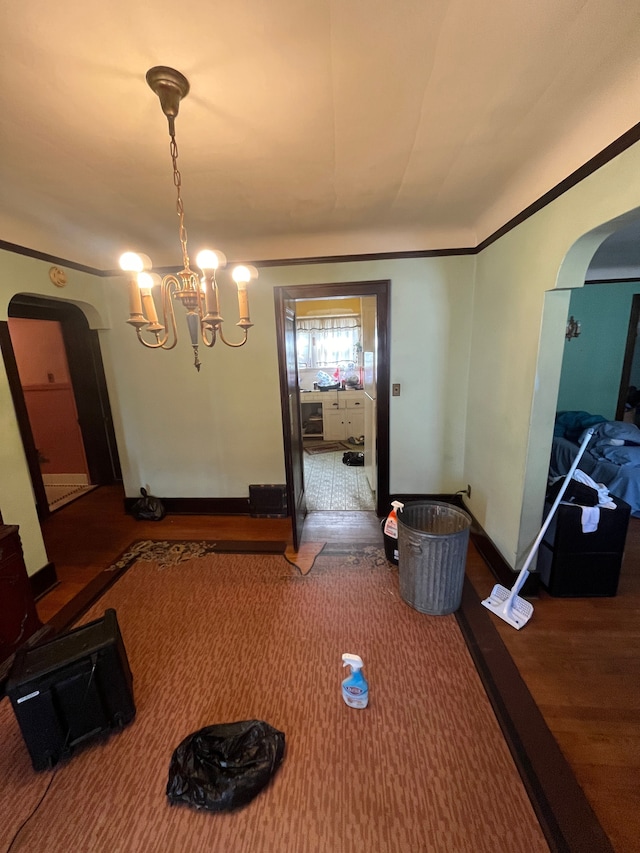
{"points": [[573, 272], [89, 391]]}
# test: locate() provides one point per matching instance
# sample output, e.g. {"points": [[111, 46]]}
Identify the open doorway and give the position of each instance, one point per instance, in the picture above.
{"points": [[287, 299], [337, 411], [581, 374], [81, 435], [628, 407], [53, 415]]}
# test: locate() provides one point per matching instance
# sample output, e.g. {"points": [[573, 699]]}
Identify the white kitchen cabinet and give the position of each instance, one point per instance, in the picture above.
{"points": [[333, 425], [343, 416], [342, 413]]}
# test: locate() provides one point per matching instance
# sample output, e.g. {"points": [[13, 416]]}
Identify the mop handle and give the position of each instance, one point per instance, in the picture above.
{"points": [[524, 571], [556, 503]]}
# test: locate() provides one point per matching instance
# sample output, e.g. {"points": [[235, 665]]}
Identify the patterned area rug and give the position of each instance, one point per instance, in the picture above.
{"points": [[363, 557], [325, 447], [162, 552], [221, 637]]}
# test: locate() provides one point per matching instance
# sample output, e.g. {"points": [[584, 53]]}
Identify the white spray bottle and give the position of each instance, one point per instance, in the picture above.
{"points": [[355, 690]]}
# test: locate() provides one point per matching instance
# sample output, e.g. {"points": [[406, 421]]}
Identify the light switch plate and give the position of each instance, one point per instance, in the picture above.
{"points": [[395, 389]]}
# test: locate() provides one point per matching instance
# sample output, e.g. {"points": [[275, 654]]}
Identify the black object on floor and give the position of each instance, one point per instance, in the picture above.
{"points": [[353, 457], [223, 767], [71, 690], [148, 508], [572, 563]]}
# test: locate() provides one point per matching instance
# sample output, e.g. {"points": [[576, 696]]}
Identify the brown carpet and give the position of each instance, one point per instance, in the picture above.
{"points": [[226, 637]]}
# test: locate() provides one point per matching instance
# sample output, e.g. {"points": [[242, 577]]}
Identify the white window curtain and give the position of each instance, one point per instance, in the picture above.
{"points": [[327, 341]]}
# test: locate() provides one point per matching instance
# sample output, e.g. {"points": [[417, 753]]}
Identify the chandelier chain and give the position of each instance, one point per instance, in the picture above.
{"points": [[177, 180]]}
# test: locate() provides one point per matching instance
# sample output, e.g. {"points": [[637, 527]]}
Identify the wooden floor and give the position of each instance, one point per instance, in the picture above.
{"points": [[580, 658]]}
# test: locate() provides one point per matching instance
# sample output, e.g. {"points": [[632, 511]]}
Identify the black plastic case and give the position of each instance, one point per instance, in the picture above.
{"points": [[71, 689]]}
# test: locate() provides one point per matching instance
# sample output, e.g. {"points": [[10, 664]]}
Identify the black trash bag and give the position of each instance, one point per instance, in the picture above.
{"points": [[353, 457], [148, 508], [223, 767]]}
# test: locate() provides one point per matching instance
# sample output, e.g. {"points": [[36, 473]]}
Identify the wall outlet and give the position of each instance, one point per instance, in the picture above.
{"points": [[468, 491]]}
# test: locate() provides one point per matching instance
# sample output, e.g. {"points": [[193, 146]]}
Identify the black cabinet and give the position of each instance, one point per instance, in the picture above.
{"points": [[572, 563]]}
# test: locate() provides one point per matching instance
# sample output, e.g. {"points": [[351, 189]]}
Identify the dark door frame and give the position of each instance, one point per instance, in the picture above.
{"points": [[22, 417], [381, 289], [632, 335], [290, 404], [89, 387]]}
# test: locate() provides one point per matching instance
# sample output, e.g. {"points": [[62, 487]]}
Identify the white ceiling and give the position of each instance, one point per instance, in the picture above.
{"points": [[313, 127]]}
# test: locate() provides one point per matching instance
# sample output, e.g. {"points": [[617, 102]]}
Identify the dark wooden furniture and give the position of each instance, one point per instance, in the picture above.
{"points": [[18, 616]]}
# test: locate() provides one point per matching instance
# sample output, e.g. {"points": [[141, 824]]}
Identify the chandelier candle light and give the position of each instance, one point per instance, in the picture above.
{"points": [[198, 293]]}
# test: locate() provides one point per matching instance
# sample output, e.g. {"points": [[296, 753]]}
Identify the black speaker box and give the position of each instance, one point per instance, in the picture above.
{"points": [[71, 689]]}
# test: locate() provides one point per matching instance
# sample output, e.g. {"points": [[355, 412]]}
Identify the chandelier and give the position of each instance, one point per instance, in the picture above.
{"points": [[198, 293]]}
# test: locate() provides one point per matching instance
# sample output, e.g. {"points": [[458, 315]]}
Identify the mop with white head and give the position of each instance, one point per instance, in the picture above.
{"points": [[507, 604]]}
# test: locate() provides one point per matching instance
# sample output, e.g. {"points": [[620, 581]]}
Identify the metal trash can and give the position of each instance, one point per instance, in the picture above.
{"points": [[432, 545]]}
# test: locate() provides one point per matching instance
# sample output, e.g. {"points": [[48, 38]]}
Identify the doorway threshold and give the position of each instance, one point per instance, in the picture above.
{"points": [[60, 494]]}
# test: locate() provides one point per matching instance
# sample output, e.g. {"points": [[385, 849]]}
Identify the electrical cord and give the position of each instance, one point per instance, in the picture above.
{"points": [[94, 660], [33, 812]]}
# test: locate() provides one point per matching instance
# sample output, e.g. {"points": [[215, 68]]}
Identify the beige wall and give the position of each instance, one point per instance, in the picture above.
{"points": [[519, 320], [211, 434], [476, 344]]}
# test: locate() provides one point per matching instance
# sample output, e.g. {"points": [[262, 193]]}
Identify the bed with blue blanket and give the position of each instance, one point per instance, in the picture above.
{"points": [[612, 457]]}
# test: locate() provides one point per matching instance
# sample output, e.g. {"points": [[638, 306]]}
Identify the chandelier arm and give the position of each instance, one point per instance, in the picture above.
{"points": [[159, 344], [169, 284], [230, 343], [209, 334]]}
